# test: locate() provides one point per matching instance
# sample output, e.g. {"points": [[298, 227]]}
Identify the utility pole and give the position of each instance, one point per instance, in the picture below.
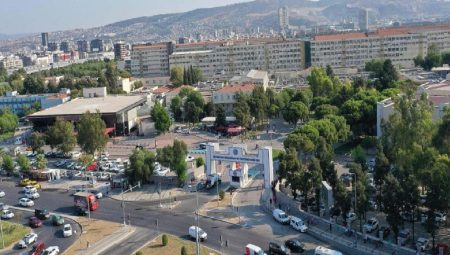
{"points": [[123, 201], [356, 232], [197, 243]]}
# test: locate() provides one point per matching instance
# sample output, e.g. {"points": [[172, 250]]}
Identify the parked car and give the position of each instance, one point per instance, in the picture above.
{"points": [[32, 194], [251, 249], [29, 188], [26, 202], [202, 235], [38, 249], [2, 193], [404, 236], [422, 244], [162, 171], [27, 240], [34, 222], [295, 245], [52, 250], [67, 230], [7, 214], [320, 250], [57, 220], [280, 216], [278, 249], [385, 231], [371, 225], [4, 206], [298, 224], [41, 214], [351, 216]]}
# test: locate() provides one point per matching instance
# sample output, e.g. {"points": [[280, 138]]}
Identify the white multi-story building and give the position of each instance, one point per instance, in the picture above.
{"points": [[226, 96], [401, 45], [438, 95], [151, 60], [229, 58], [11, 62]]}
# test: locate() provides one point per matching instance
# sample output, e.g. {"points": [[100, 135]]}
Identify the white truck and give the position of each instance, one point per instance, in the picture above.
{"points": [[212, 180]]}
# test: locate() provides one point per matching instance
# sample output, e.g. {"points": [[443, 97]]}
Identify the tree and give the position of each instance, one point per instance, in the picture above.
{"points": [[193, 106], [111, 75], [342, 199], [37, 141], [174, 157], [161, 118], [23, 163], [325, 109], [181, 170], [33, 85], [175, 108], [320, 83], [441, 139], [392, 201], [210, 109], [86, 159], [41, 162], [8, 163], [296, 111], [259, 104], [358, 155], [221, 119], [384, 71], [329, 71], [433, 58], [3, 74], [199, 162], [242, 111], [381, 170], [61, 136], [176, 76], [91, 125], [142, 165], [8, 121]]}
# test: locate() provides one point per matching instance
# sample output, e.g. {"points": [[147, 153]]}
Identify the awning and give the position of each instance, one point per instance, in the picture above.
{"points": [[109, 130]]}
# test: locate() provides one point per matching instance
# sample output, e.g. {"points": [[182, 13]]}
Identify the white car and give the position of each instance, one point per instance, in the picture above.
{"points": [[298, 224], [27, 240], [32, 195], [4, 206], [422, 244], [371, 225], [2, 193], [189, 158], [162, 171], [26, 202], [52, 250], [7, 214], [67, 230], [351, 216], [201, 234], [29, 188]]}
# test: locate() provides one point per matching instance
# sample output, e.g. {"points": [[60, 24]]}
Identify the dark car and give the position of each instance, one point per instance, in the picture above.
{"points": [[80, 211], [57, 220], [385, 230], [278, 249], [295, 245], [41, 214], [37, 249], [34, 222]]}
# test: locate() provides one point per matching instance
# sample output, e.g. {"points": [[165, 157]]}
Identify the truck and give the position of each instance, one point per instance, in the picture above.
{"points": [[212, 180], [85, 200]]}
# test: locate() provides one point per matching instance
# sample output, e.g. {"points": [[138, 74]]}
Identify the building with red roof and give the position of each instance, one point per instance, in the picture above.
{"points": [[227, 96]]}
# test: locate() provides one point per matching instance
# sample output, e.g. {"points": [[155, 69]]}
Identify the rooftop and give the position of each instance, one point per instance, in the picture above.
{"points": [[192, 52], [247, 87], [257, 74], [109, 104]]}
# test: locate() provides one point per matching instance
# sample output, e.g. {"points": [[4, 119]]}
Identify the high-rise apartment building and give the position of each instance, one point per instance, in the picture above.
{"points": [[283, 17], [44, 39], [52, 46], [151, 60], [97, 45], [399, 44], [364, 20], [83, 46], [120, 51], [64, 46]]}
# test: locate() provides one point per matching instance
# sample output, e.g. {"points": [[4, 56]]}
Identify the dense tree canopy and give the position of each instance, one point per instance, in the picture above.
{"points": [[142, 165], [92, 126], [161, 118]]}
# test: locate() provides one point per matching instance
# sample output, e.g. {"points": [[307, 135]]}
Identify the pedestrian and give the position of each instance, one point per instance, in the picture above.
{"points": [[330, 227]]}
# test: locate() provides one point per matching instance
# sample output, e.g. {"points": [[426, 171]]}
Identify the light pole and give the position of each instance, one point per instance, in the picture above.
{"points": [[123, 202], [197, 243], [356, 232]]}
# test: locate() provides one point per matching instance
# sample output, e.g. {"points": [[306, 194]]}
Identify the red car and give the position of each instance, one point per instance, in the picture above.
{"points": [[37, 249], [34, 222]]}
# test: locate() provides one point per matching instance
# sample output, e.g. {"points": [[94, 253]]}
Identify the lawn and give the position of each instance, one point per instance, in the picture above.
{"points": [[173, 247], [13, 232]]}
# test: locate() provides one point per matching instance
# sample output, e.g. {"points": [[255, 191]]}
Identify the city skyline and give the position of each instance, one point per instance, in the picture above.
{"points": [[50, 15]]}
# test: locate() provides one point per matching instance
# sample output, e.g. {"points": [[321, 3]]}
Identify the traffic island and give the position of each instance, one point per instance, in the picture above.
{"points": [[93, 232], [12, 233], [174, 246], [221, 210]]}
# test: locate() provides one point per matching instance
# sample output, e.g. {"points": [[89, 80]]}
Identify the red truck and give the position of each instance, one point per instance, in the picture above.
{"points": [[83, 199]]}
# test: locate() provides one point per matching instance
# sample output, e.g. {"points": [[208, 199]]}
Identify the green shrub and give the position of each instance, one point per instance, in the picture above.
{"points": [[139, 253], [199, 162], [221, 194], [165, 240], [183, 250]]}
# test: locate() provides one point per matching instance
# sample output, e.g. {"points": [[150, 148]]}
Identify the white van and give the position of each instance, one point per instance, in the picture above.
{"points": [[252, 249], [280, 216], [201, 234], [298, 224], [325, 251]]}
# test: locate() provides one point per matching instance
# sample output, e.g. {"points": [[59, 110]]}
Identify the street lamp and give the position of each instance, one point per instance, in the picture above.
{"points": [[123, 202], [197, 243], [356, 232]]}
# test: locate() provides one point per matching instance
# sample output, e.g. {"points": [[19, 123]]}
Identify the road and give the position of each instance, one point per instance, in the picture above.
{"points": [[174, 221]]}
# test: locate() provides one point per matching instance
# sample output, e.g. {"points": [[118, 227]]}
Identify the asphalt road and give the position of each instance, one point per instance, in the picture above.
{"points": [[47, 233], [174, 221]]}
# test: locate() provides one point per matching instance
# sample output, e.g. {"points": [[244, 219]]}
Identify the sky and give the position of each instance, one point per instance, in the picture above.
{"points": [[33, 16]]}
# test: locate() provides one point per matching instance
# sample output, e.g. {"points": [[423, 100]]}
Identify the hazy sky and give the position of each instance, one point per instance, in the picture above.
{"points": [[25, 16]]}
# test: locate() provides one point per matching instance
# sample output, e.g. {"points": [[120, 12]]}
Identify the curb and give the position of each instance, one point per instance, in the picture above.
{"points": [[179, 198], [221, 220], [102, 249]]}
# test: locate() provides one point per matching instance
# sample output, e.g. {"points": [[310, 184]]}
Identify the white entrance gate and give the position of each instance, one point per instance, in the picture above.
{"points": [[238, 153]]}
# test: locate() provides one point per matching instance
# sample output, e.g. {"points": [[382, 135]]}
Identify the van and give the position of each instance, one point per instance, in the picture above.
{"points": [[280, 216], [298, 224], [201, 234], [251, 249], [325, 251]]}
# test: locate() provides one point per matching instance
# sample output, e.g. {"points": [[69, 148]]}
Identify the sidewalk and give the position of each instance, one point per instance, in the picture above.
{"points": [[108, 241], [149, 192]]}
